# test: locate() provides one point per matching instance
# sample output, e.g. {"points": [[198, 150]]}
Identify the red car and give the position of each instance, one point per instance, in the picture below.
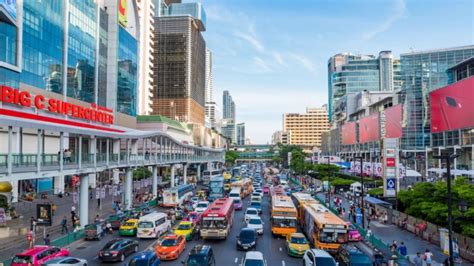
{"points": [[37, 255], [354, 234], [266, 189]]}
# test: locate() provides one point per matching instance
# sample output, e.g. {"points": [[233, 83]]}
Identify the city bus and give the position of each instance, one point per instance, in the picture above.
{"points": [[208, 174], [283, 216], [176, 196], [216, 188], [324, 229], [216, 221], [277, 191], [300, 199], [245, 186]]}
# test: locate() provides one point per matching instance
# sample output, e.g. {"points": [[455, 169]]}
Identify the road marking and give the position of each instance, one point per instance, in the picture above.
{"points": [[281, 249], [236, 260], [282, 263]]}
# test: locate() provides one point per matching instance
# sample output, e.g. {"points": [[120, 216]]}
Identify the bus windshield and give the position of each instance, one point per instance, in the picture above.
{"points": [[283, 222], [214, 224], [332, 237]]}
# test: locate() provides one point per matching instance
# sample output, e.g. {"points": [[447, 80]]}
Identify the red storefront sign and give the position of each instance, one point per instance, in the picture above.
{"points": [[390, 162]]}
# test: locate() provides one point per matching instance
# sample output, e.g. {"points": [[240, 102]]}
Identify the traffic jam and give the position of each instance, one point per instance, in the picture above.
{"points": [[234, 216]]}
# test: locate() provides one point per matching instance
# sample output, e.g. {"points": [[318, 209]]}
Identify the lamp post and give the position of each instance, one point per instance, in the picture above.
{"points": [[329, 181], [362, 190], [405, 157], [448, 158]]}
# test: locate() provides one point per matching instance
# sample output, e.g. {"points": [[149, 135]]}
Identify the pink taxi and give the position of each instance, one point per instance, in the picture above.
{"points": [[37, 255]]}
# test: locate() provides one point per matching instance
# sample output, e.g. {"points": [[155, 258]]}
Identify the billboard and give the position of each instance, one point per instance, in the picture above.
{"points": [[452, 107], [123, 12], [44, 214], [369, 128], [393, 121], [348, 132], [10, 7]]}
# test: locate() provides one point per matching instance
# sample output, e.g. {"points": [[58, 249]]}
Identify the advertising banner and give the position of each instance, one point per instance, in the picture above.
{"points": [[44, 214], [123, 12], [369, 128], [348, 133], [452, 107], [393, 121]]}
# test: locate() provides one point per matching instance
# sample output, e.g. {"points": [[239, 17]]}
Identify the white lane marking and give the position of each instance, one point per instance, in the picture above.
{"points": [[282, 263], [236, 260], [281, 249]]}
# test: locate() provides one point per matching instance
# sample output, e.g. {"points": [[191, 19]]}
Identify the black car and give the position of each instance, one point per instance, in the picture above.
{"points": [[118, 249], [247, 239], [200, 255]]}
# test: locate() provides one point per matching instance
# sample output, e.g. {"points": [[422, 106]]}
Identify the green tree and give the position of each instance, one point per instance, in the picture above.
{"points": [[230, 157]]}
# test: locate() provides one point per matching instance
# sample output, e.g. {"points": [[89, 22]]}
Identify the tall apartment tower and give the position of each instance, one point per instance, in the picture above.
{"points": [[146, 12], [240, 128], [179, 56], [208, 81], [228, 117]]}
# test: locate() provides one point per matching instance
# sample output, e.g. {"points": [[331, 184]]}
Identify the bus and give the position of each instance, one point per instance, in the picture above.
{"points": [[176, 196], [245, 186], [153, 225], [283, 216], [324, 229], [300, 199], [216, 221], [216, 188], [208, 174], [277, 191]]}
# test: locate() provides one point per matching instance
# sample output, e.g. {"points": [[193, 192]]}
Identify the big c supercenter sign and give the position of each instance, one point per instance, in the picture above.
{"points": [[94, 113]]}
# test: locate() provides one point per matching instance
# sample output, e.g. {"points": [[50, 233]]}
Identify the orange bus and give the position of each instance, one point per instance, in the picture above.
{"points": [[324, 229], [245, 186], [216, 221], [300, 199], [283, 216]]}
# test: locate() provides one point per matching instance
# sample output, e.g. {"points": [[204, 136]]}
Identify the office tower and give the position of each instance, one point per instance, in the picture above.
{"points": [[350, 74], [146, 12], [179, 63], [228, 106], [208, 82], [305, 129], [240, 133]]}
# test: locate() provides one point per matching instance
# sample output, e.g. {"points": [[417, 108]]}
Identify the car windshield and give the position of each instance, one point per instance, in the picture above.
{"points": [[255, 204], [184, 226], [255, 221], [196, 260], [138, 262], [168, 242], [22, 259], [298, 240], [202, 205], [360, 260], [247, 235], [252, 212], [237, 201], [325, 261], [145, 224], [254, 263], [112, 245], [129, 224]]}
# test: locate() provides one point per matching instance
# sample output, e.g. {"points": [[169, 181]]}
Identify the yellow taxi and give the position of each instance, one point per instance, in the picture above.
{"points": [[186, 229], [129, 228], [237, 177], [296, 244]]}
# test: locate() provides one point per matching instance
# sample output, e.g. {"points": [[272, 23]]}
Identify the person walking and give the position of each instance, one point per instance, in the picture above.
{"points": [[46, 240], [402, 249], [418, 261], [394, 246], [427, 257], [64, 225]]}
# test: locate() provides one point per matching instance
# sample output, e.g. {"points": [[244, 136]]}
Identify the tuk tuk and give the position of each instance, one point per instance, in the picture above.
{"points": [[94, 231], [116, 220]]}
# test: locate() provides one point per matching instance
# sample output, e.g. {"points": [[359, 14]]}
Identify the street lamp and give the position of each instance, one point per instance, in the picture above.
{"points": [[362, 190], [448, 158]]}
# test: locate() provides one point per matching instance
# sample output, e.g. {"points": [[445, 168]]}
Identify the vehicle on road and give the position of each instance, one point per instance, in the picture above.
{"points": [[216, 221], [201, 206], [176, 196], [296, 244], [94, 231], [236, 171], [65, 261], [237, 204], [247, 239], [259, 191], [200, 255], [193, 217], [353, 234], [216, 188], [245, 186], [118, 249], [249, 213], [235, 193], [129, 228], [256, 223], [145, 258], [153, 225], [257, 205], [283, 216], [266, 189], [208, 174], [256, 197], [37, 255], [186, 229], [227, 178], [116, 220], [170, 247], [254, 258], [300, 199], [315, 257], [194, 200], [352, 256]]}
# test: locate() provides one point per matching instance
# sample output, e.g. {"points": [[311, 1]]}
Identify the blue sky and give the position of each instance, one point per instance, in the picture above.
{"points": [[272, 54]]}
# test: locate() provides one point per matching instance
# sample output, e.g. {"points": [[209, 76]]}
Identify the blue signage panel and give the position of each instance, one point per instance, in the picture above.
{"points": [[391, 183]]}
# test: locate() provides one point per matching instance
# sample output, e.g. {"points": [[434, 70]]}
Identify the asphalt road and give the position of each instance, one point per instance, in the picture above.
{"points": [[273, 249]]}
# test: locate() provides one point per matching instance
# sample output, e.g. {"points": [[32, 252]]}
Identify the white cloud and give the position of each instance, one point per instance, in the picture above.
{"points": [[250, 36], [305, 62], [261, 66], [278, 58], [397, 13]]}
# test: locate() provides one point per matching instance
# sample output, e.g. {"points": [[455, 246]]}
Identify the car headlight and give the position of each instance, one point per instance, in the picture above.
{"points": [[238, 242], [253, 243]]}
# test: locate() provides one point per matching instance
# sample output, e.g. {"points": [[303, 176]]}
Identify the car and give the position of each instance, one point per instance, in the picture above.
{"points": [[94, 231], [256, 223], [260, 191], [247, 239], [296, 244], [194, 201], [315, 257], [170, 247], [116, 220], [256, 198], [257, 205], [65, 261], [186, 229], [118, 249], [227, 187], [37, 255], [201, 206], [249, 213], [254, 258], [351, 255], [145, 258], [354, 234], [129, 228], [200, 255], [193, 217], [237, 204], [266, 189]]}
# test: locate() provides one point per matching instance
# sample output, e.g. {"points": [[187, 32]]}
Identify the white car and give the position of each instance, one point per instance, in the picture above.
{"points": [[253, 258], [249, 213], [194, 201], [315, 257], [256, 223], [256, 198], [65, 261], [201, 206]]}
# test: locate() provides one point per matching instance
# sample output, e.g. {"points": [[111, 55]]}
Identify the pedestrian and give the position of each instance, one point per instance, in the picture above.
{"points": [[418, 261], [64, 225], [32, 223], [369, 232], [394, 246], [427, 257], [97, 219], [46, 240], [402, 249]]}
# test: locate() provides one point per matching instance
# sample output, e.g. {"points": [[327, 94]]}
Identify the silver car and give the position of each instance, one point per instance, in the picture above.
{"points": [[65, 261]]}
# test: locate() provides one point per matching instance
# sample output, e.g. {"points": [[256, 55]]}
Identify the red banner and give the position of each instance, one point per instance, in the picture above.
{"points": [[369, 128], [393, 121], [348, 132], [452, 107]]}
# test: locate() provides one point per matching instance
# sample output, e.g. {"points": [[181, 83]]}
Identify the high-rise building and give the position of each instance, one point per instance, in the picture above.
{"points": [[349, 74], [208, 82], [306, 129], [228, 106], [228, 130], [179, 55], [146, 12], [424, 72], [240, 133], [213, 112], [281, 137]]}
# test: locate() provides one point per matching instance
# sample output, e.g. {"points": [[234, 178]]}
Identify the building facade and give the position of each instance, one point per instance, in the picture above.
{"points": [[240, 128], [305, 129], [228, 117], [281, 137]]}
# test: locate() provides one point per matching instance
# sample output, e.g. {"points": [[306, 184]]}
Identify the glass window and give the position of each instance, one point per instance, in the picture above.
{"points": [[127, 74], [8, 42]]}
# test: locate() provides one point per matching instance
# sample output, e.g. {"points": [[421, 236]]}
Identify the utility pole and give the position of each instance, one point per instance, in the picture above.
{"points": [[362, 189]]}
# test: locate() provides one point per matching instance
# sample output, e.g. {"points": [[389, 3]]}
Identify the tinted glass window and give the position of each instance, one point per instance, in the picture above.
{"points": [[325, 261]]}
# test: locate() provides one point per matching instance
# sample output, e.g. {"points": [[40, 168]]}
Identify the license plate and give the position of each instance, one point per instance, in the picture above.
{"points": [[245, 247], [106, 254]]}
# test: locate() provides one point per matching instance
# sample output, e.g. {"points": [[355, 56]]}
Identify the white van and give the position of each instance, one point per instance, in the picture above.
{"points": [[235, 193], [283, 183], [153, 225]]}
